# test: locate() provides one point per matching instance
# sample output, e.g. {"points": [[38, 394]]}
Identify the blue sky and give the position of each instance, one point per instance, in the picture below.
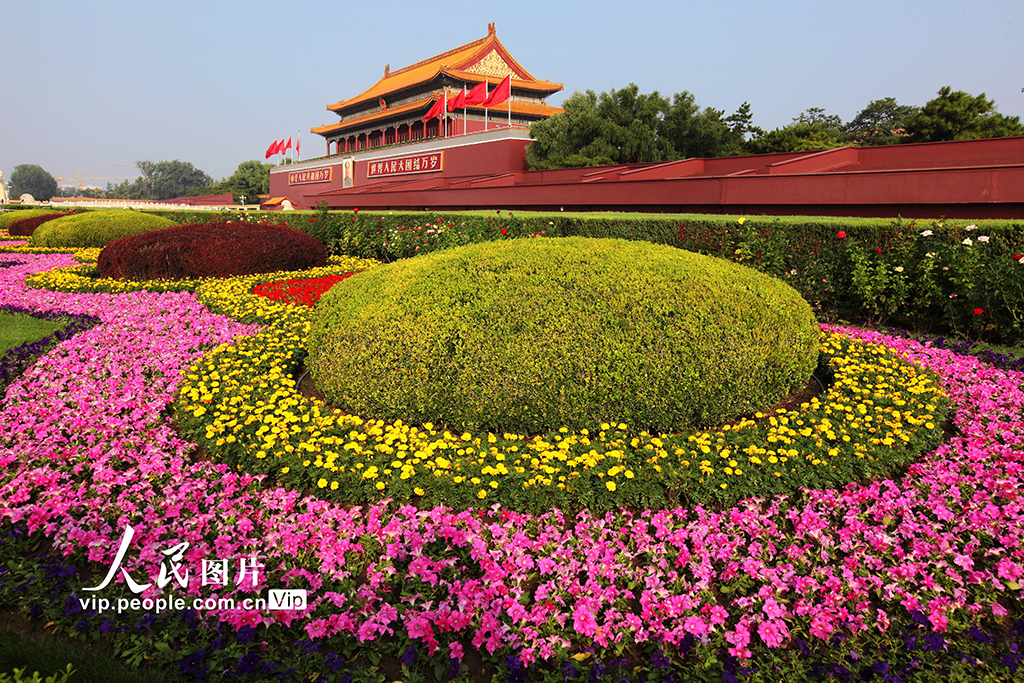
{"points": [[214, 82]]}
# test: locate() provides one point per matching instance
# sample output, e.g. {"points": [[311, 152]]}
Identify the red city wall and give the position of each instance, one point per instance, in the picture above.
{"points": [[970, 178]]}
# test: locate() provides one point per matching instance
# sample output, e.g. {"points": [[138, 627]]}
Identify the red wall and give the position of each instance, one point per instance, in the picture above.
{"points": [[971, 178]]}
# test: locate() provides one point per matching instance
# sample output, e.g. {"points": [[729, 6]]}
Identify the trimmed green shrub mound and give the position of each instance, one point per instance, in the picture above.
{"points": [[210, 250], [26, 226], [531, 335], [96, 228], [9, 218]]}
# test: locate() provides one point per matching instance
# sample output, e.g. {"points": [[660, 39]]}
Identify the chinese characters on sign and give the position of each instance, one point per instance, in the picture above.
{"points": [[420, 163], [313, 175]]}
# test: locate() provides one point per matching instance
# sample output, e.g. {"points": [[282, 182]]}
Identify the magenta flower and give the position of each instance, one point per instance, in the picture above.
{"points": [[87, 448]]}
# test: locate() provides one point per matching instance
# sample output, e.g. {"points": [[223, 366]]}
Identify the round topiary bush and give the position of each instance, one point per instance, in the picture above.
{"points": [[26, 226], [9, 218], [96, 228], [528, 336], [211, 250]]}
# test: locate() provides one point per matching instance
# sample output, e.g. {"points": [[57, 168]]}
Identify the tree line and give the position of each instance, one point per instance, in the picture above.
{"points": [[626, 126], [617, 127], [157, 180]]}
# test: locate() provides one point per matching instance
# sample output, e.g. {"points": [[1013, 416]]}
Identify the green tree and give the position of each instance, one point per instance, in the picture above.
{"points": [[696, 133], [617, 127], [169, 179], [33, 180], [957, 115], [882, 122], [127, 189], [577, 137], [741, 123], [249, 180], [811, 130], [632, 121]]}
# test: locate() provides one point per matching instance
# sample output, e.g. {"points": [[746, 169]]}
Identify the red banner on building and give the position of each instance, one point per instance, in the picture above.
{"points": [[419, 163], [313, 175]]}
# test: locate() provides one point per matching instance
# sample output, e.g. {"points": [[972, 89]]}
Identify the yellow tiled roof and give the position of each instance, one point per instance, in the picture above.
{"points": [[373, 116], [452, 62]]}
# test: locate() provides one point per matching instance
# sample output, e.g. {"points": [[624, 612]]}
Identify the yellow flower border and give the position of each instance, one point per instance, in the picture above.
{"points": [[241, 402], [84, 278]]}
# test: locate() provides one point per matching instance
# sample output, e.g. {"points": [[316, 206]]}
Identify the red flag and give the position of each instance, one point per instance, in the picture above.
{"points": [[271, 150], [298, 143], [500, 93], [436, 110], [459, 101], [477, 95], [279, 146], [288, 146]]}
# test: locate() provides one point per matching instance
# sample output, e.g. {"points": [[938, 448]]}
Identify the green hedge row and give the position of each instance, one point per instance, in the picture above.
{"points": [[958, 276]]}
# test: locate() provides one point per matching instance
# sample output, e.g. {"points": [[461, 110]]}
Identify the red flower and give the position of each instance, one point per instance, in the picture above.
{"points": [[504, 231], [978, 311], [1018, 257], [841, 234], [355, 210], [878, 251]]}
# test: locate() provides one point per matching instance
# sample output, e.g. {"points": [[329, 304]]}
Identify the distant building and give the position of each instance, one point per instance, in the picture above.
{"points": [[392, 111], [412, 126]]}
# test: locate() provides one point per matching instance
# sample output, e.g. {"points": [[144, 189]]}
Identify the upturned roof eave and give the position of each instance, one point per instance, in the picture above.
{"points": [[352, 106], [421, 106], [459, 58]]}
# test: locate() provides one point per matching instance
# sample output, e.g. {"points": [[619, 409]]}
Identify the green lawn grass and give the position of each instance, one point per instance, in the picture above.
{"points": [[17, 329]]}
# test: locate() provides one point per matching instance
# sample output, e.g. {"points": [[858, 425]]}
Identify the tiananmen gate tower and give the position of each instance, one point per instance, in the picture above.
{"points": [[394, 110]]}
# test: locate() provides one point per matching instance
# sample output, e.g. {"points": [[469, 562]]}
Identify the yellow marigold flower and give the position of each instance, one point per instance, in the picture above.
{"points": [[481, 494], [610, 485]]}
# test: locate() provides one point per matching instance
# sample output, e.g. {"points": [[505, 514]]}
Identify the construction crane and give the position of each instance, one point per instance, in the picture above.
{"points": [[81, 185]]}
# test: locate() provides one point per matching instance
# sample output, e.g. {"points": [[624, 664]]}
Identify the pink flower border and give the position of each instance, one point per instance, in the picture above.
{"points": [[86, 449]]}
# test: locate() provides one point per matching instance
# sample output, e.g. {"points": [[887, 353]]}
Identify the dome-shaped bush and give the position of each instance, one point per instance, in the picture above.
{"points": [[211, 250], [26, 226], [531, 335], [9, 218], [96, 228]]}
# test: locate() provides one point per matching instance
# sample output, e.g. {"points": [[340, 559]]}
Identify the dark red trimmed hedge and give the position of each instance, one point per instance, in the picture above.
{"points": [[210, 250], [27, 226]]}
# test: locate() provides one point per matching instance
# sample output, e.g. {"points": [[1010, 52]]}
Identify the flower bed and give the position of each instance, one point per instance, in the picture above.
{"points": [[16, 360], [240, 402], [914, 577]]}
